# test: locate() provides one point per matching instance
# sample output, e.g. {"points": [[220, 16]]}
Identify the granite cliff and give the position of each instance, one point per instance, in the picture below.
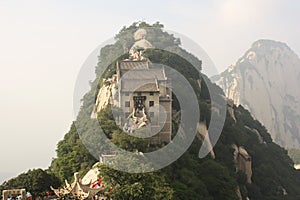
{"points": [[265, 80]]}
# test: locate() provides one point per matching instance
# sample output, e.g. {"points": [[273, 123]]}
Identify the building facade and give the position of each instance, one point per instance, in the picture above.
{"points": [[145, 96]]}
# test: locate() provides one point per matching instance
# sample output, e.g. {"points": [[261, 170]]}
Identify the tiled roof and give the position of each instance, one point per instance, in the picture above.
{"points": [[130, 64], [139, 85], [152, 73]]}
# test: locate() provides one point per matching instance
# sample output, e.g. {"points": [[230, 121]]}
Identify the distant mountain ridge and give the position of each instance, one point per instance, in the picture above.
{"points": [[265, 80]]}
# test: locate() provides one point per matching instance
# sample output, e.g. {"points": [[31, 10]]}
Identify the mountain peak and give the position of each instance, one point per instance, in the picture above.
{"points": [[267, 43], [265, 48], [269, 70]]}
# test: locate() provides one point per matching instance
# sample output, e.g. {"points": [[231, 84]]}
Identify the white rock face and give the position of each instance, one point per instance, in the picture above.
{"points": [[266, 81]]}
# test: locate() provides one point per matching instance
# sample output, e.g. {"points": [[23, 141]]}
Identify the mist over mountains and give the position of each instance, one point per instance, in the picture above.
{"points": [[265, 80]]}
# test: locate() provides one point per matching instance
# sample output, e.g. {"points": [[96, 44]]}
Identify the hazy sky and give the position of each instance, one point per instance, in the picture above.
{"points": [[44, 43]]}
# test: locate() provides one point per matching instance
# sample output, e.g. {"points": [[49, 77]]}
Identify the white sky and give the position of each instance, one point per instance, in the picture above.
{"points": [[44, 43]]}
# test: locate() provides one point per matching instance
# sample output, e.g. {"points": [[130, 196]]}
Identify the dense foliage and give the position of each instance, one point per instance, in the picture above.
{"points": [[189, 177], [72, 157], [36, 181], [135, 186]]}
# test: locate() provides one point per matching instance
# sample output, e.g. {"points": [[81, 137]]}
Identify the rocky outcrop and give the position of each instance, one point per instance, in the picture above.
{"points": [[92, 175], [243, 161], [238, 193], [230, 109], [258, 135], [204, 137], [105, 96], [297, 166], [265, 81]]}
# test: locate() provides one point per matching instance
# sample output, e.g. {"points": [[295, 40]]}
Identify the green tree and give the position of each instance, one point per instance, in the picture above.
{"points": [[72, 157], [188, 177], [135, 186], [36, 181]]}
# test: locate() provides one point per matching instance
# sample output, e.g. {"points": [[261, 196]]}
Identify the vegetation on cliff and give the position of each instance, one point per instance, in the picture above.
{"points": [[37, 181], [189, 177]]}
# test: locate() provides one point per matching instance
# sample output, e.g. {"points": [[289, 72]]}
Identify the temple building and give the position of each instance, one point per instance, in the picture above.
{"points": [[145, 98], [79, 190], [144, 93]]}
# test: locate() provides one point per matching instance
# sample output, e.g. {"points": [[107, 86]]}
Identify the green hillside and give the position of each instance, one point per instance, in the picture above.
{"points": [[273, 175]]}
